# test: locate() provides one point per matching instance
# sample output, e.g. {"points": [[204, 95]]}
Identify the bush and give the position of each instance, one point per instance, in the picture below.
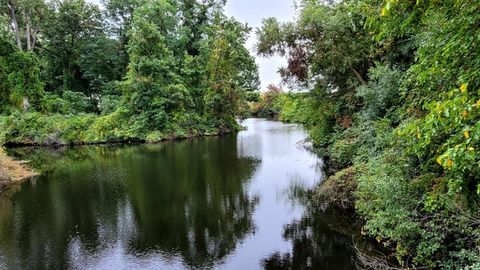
{"points": [[155, 136], [389, 203], [109, 103], [338, 190], [77, 103], [381, 95], [55, 129]]}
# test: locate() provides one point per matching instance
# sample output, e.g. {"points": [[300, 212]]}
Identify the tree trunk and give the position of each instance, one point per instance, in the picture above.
{"points": [[25, 104], [27, 31], [34, 37], [359, 77], [13, 17]]}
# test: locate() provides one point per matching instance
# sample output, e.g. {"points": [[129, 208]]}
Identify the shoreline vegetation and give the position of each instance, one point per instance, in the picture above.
{"points": [[392, 101], [58, 138]]}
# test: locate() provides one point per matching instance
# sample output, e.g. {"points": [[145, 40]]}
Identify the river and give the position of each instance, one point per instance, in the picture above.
{"points": [[230, 202]]}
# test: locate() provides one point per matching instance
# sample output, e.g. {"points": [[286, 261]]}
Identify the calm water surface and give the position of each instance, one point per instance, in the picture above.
{"points": [[231, 202]]}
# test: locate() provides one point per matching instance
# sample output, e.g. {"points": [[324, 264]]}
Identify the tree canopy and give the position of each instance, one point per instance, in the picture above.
{"points": [[165, 67]]}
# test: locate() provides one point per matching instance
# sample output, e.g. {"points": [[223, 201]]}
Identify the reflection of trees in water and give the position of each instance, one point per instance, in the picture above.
{"points": [[194, 202], [320, 240], [186, 198]]}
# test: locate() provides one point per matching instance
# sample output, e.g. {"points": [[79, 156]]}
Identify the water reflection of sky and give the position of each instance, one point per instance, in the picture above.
{"points": [[284, 163]]}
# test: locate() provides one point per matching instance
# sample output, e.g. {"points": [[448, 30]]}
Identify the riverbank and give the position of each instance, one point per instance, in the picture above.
{"points": [[151, 138], [13, 171], [35, 129]]}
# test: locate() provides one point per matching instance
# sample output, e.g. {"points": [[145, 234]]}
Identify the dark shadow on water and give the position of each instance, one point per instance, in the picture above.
{"points": [[321, 239]]}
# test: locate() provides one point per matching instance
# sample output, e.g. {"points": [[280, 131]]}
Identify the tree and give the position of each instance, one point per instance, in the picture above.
{"points": [[326, 46], [27, 18], [72, 25], [20, 78], [227, 74], [153, 90], [120, 15]]}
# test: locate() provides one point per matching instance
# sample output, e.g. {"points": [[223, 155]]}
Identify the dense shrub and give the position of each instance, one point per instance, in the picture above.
{"points": [[338, 190]]}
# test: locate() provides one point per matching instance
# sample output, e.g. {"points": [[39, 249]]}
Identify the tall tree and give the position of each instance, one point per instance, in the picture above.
{"points": [[26, 19], [120, 15], [72, 25], [228, 72]]}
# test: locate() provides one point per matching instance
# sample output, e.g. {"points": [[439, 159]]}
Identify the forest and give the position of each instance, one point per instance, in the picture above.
{"points": [[389, 91], [73, 73]]}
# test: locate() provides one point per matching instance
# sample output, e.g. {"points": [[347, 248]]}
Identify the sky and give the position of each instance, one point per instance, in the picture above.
{"points": [[252, 12]]}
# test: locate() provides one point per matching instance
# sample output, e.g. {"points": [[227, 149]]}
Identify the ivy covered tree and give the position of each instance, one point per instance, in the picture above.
{"points": [[154, 89], [20, 82]]}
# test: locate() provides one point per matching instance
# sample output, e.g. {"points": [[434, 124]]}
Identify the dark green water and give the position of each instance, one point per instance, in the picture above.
{"points": [[231, 202]]}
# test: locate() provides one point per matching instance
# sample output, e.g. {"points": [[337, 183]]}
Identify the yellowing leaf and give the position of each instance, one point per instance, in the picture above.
{"points": [[466, 134], [463, 88], [478, 103], [464, 114], [384, 12], [439, 161], [449, 163]]}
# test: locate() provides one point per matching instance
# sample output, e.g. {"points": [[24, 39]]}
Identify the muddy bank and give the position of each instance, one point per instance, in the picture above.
{"points": [[13, 171]]}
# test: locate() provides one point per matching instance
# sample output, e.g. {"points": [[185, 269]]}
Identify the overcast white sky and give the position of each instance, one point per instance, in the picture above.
{"points": [[252, 12]]}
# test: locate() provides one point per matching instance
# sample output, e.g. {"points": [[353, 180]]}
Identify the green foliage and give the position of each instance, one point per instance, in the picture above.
{"points": [[230, 69], [138, 69], [73, 26], [77, 102], [316, 114], [381, 95], [20, 79], [450, 136], [3, 130], [35, 128], [389, 202], [404, 111], [319, 45]]}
